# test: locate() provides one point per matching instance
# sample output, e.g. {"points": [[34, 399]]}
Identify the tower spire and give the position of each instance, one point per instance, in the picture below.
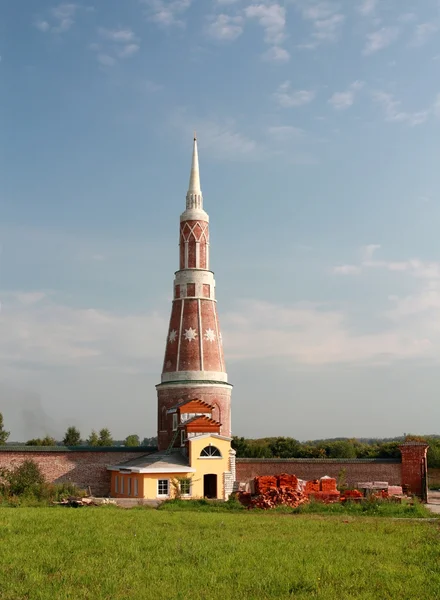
{"points": [[194, 199]]}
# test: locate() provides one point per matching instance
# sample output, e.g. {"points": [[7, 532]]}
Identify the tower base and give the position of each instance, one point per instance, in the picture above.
{"points": [[216, 393]]}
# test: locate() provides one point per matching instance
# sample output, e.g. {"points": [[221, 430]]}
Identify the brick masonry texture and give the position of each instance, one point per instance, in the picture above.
{"points": [[414, 466], [355, 471], [218, 397], [81, 468]]}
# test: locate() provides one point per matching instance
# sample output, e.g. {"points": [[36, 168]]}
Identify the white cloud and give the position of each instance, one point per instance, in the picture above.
{"points": [[423, 32], [328, 30], [50, 335], [367, 7], [343, 100], [310, 334], [272, 17], [123, 36], [116, 43], [224, 140], [220, 138], [46, 335], [393, 112], [167, 13], [288, 98], [59, 20], [378, 40], [347, 270], [369, 250], [128, 50], [105, 60], [28, 298], [42, 26], [276, 54], [326, 21], [225, 27]]}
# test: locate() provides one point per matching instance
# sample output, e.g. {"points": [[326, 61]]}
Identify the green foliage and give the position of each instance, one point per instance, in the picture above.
{"points": [[25, 486], [3, 433], [286, 447], [282, 447], [72, 437], [132, 440], [369, 508], [149, 441], [113, 553], [434, 453], [93, 439], [105, 437], [201, 505], [46, 441], [24, 479]]}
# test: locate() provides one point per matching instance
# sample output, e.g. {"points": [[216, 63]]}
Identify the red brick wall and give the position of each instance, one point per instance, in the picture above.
{"points": [[82, 468], [355, 470], [414, 467]]}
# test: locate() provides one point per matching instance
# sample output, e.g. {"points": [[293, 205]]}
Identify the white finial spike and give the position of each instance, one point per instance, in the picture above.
{"points": [[194, 195], [194, 180]]}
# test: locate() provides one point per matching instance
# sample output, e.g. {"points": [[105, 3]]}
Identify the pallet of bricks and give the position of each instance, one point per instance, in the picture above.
{"points": [[274, 490], [322, 490]]}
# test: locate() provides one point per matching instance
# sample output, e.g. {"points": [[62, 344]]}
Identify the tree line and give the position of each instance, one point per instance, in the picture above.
{"points": [[287, 447], [72, 437], [271, 447]]}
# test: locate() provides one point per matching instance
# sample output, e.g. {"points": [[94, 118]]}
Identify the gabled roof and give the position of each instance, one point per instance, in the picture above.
{"points": [[191, 405], [158, 462], [202, 423]]}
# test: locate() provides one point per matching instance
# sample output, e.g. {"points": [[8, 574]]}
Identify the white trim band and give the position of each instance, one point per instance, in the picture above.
{"points": [[194, 375]]}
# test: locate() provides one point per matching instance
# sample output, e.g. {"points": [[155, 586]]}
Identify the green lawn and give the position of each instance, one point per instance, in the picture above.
{"points": [[115, 554]]}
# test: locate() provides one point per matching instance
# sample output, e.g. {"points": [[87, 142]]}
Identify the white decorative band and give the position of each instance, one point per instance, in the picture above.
{"points": [[194, 276], [194, 214], [194, 375], [193, 384]]}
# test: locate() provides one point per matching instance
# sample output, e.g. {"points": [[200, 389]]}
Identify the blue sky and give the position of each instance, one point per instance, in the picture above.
{"points": [[318, 126]]}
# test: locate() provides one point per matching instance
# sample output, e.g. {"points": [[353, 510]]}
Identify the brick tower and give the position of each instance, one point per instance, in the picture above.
{"points": [[194, 366]]}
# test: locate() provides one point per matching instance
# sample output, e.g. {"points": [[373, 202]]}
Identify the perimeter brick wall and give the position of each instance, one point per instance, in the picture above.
{"points": [[81, 467], [356, 470]]}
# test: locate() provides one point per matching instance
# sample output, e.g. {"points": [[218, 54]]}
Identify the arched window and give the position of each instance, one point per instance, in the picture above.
{"points": [[210, 452]]}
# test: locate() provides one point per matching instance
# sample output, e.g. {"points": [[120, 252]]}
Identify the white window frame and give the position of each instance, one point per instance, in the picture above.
{"points": [[175, 421], [121, 490], [182, 437], [211, 457], [189, 490], [135, 487], [128, 486], [159, 495], [116, 485]]}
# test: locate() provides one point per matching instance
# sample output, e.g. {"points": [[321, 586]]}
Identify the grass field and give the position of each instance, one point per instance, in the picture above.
{"points": [[115, 554]]}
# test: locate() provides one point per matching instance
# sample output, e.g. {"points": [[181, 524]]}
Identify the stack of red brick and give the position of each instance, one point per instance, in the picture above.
{"points": [[352, 495], [322, 490], [271, 491]]}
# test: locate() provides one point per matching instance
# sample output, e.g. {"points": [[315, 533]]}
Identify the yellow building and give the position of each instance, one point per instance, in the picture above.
{"points": [[201, 466]]}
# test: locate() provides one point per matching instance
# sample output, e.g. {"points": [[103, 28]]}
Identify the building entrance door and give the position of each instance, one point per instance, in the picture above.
{"points": [[210, 486]]}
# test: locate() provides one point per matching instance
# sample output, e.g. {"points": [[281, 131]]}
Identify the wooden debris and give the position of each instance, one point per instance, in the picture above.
{"points": [[78, 502]]}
